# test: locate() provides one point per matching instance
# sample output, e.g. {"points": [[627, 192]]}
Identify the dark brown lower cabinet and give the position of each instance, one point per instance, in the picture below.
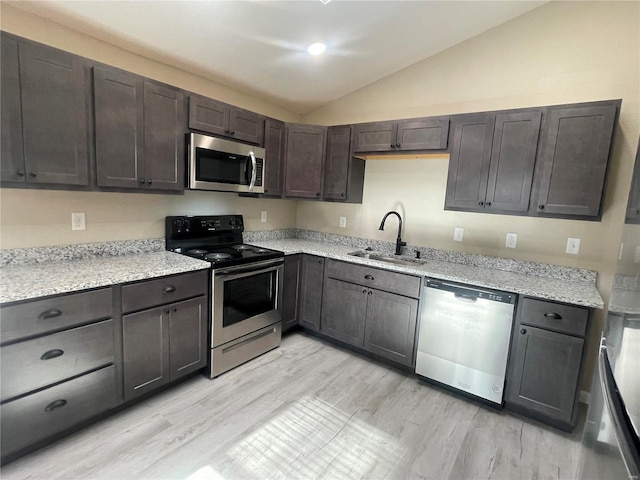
{"points": [[291, 291], [311, 284], [162, 344], [381, 322], [547, 352]]}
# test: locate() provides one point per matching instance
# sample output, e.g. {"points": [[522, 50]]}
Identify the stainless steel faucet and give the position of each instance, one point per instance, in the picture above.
{"points": [[399, 242]]}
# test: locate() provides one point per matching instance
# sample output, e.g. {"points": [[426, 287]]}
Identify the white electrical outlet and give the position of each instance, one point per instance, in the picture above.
{"points": [[343, 222], [636, 255], [78, 221], [512, 240], [263, 216], [458, 234], [573, 246]]}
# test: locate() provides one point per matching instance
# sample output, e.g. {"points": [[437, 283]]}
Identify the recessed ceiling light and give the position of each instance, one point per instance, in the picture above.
{"points": [[325, 1], [316, 48]]}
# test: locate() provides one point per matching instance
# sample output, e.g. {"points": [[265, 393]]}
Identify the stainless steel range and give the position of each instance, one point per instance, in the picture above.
{"points": [[246, 286]]}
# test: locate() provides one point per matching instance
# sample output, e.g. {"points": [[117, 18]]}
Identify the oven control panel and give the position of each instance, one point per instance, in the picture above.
{"points": [[201, 225]]}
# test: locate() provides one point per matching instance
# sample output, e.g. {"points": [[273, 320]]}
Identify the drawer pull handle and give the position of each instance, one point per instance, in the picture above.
{"points": [[369, 277], [53, 405], [169, 289], [553, 315], [52, 354], [47, 314]]}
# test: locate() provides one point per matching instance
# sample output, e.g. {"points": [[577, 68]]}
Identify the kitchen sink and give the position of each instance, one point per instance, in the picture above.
{"points": [[388, 259]]}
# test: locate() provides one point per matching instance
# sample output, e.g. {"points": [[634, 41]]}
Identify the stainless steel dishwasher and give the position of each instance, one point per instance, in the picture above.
{"points": [[464, 338]]}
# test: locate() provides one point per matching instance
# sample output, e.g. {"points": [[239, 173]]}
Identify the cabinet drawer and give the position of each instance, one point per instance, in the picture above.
{"points": [[42, 414], [43, 316], [43, 361], [163, 290], [554, 316], [394, 282]]}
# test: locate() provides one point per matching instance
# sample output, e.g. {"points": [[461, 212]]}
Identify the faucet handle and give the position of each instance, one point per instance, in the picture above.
{"points": [[417, 252]]}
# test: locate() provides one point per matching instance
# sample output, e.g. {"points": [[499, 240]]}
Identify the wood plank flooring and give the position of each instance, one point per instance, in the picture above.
{"points": [[307, 410]]}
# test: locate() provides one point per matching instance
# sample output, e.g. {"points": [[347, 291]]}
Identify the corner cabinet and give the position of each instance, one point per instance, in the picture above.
{"points": [[139, 132], [575, 146], [311, 288], [164, 331], [45, 105], [414, 134], [492, 161], [633, 206], [372, 309], [343, 173], [221, 119], [547, 355], [304, 161]]}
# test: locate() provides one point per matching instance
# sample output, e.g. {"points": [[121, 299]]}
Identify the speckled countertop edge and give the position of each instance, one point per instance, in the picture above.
{"points": [[24, 282], [576, 293]]}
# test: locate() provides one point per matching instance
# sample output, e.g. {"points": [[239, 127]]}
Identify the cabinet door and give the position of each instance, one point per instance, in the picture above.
{"points": [[469, 161], [344, 311], [305, 158], [54, 115], [246, 126], [336, 162], [119, 117], [291, 291], [374, 137], [163, 137], [208, 115], [391, 326], [145, 345], [633, 207], [311, 283], [274, 145], [12, 165], [574, 154], [544, 372], [425, 134], [187, 336], [513, 158]]}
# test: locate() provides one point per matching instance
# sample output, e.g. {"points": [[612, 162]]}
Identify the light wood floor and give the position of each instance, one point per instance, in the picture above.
{"points": [[306, 410]]}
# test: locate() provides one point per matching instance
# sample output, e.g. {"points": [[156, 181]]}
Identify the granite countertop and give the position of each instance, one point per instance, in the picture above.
{"points": [[561, 290], [23, 282]]}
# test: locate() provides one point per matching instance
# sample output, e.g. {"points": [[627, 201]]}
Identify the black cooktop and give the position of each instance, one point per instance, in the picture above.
{"points": [[214, 238]]}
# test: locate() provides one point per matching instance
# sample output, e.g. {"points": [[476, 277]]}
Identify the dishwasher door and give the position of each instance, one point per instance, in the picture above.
{"points": [[464, 338]]}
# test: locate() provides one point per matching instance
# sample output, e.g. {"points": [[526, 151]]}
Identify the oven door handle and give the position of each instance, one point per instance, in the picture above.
{"points": [[250, 270]]}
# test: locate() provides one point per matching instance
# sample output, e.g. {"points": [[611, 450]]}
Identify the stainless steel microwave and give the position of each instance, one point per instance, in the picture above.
{"points": [[224, 165]]}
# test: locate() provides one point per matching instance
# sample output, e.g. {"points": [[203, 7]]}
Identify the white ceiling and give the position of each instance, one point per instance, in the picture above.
{"points": [[258, 47]]}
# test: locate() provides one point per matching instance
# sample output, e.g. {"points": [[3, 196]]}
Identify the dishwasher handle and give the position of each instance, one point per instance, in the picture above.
{"points": [[465, 297]]}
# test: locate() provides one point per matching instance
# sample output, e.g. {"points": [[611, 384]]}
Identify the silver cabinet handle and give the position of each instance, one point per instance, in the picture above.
{"points": [[253, 170]]}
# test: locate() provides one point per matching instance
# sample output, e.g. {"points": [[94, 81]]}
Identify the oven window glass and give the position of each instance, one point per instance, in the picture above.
{"points": [[221, 167], [249, 296]]}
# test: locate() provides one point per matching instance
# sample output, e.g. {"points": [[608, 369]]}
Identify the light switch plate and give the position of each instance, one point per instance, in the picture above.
{"points": [[78, 221], [573, 245], [458, 234], [512, 240], [343, 222], [263, 216]]}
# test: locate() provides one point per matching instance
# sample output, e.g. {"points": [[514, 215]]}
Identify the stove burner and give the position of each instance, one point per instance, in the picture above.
{"points": [[196, 251], [217, 256], [241, 247], [261, 250]]}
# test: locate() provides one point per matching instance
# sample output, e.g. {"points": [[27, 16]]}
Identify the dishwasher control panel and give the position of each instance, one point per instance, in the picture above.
{"points": [[470, 292]]}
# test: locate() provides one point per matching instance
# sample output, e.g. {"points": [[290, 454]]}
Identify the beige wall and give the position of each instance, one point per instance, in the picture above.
{"points": [[30, 218]]}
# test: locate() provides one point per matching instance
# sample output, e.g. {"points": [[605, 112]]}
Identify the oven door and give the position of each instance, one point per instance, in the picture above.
{"points": [[244, 299]]}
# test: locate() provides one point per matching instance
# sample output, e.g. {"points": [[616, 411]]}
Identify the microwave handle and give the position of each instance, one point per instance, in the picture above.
{"points": [[254, 169]]}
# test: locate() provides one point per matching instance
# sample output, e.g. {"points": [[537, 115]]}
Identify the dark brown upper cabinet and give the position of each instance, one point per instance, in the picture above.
{"points": [[45, 105], [574, 152], [274, 145], [218, 118], [304, 161], [633, 206], [139, 132], [343, 173], [402, 135]]}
